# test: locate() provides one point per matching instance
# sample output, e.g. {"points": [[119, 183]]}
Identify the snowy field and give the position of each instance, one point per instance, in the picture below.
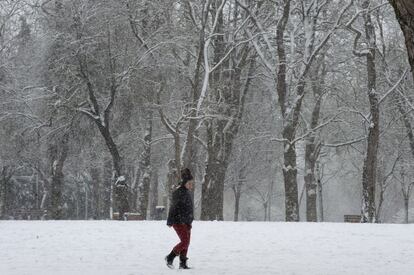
{"points": [[112, 247]]}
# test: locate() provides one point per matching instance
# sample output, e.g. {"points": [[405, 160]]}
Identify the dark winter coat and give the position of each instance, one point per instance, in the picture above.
{"points": [[181, 209]]}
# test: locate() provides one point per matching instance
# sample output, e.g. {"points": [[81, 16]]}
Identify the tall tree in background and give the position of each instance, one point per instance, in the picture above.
{"points": [[232, 61], [145, 167], [291, 88], [369, 172], [99, 86], [9, 42], [58, 155], [313, 145]]}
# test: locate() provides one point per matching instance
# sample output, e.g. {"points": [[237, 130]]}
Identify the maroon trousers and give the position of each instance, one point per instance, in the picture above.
{"points": [[184, 233]]}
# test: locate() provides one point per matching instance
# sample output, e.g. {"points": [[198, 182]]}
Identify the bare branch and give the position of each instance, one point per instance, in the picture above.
{"points": [[346, 143]]}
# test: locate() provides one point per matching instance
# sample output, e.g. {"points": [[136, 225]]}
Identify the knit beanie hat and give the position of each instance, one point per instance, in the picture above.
{"points": [[186, 176]]}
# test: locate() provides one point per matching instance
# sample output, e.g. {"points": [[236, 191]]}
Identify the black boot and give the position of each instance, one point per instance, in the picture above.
{"points": [[183, 262], [170, 258]]}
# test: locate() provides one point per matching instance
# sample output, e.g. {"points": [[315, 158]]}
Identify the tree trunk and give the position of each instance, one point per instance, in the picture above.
{"points": [[45, 189], [154, 195], [107, 184], [370, 162], [289, 157], [404, 11], [237, 188], [406, 205], [265, 211], [211, 186], [269, 199], [380, 202], [96, 198], [145, 165], [290, 179], [135, 188], [119, 181], [58, 156], [289, 153], [36, 191], [220, 136], [5, 191], [86, 217], [312, 148], [236, 203], [310, 183], [320, 192]]}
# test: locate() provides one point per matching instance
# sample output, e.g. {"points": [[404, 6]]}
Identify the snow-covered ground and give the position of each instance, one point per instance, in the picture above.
{"points": [[112, 247]]}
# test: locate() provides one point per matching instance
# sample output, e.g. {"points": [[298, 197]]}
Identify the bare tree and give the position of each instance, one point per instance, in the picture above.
{"points": [[313, 145], [406, 189], [94, 108], [58, 155], [290, 102], [370, 163]]}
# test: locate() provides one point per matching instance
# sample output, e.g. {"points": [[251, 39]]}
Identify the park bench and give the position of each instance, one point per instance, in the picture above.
{"points": [[129, 216], [352, 218], [29, 214]]}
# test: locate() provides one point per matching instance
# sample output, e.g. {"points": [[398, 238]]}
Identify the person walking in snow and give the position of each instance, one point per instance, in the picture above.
{"points": [[180, 217]]}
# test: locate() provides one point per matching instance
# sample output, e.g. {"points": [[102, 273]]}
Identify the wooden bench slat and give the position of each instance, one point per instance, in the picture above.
{"points": [[130, 216], [29, 213], [352, 218]]}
